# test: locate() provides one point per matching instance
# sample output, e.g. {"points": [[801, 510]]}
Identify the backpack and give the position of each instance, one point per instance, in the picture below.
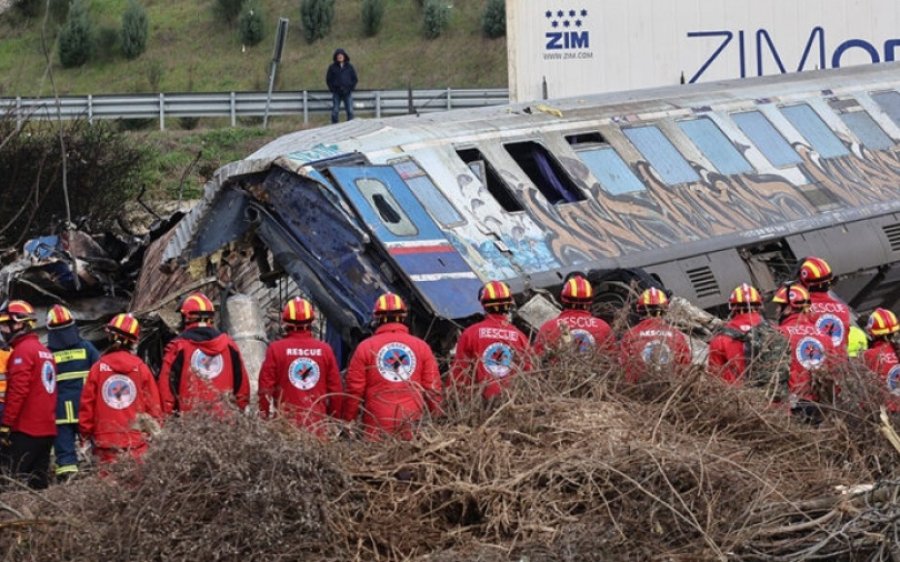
{"points": [[767, 357]]}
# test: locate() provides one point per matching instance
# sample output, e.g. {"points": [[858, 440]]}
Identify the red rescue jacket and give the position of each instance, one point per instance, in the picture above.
{"points": [[118, 388], [394, 374], [495, 350], [652, 343], [831, 317], [300, 377], [882, 360], [31, 388], [810, 352], [202, 366], [726, 354], [584, 333]]}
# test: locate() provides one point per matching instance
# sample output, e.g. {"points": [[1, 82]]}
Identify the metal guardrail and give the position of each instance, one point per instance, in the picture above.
{"points": [[245, 104]]}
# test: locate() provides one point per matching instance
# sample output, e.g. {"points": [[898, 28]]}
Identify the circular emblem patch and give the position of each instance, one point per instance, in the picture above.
{"points": [[584, 341], [893, 380], [498, 359], [396, 362], [119, 392], [303, 373], [831, 326], [810, 353], [656, 353], [48, 377], [206, 366]]}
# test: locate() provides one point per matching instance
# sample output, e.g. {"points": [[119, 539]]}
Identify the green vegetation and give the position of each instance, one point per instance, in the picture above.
{"points": [[76, 41], [251, 23], [493, 20], [227, 10], [188, 35], [134, 30], [436, 18], [316, 17], [372, 15]]}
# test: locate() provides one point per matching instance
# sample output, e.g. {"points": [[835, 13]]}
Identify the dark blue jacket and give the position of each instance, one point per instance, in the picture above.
{"points": [[341, 79], [74, 358]]}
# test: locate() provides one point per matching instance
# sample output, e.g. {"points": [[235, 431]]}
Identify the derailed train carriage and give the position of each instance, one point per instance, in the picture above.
{"points": [[703, 186]]}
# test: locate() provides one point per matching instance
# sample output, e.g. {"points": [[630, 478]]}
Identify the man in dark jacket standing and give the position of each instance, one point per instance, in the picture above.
{"points": [[341, 80]]}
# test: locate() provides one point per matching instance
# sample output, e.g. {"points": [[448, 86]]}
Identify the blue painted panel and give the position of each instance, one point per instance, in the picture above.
{"points": [[867, 130], [815, 131], [715, 146], [662, 155], [890, 103], [611, 171], [767, 139], [431, 262]]}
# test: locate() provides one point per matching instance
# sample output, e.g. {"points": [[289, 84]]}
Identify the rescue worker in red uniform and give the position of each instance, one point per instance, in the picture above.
{"points": [[811, 351], [5, 352], [881, 357], [202, 366], [827, 312], [28, 427], [492, 351], [727, 354], [575, 329], [299, 377], [653, 343], [119, 388], [393, 374]]}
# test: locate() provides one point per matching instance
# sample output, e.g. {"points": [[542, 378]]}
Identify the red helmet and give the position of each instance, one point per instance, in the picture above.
{"points": [[298, 311], [882, 322], [17, 311], [495, 294], [798, 297], [815, 271], [781, 295], [197, 307], [124, 326], [745, 296], [653, 299], [577, 290], [59, 317], [390, 304]]}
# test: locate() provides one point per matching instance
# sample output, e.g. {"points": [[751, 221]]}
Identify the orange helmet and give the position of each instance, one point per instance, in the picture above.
{"points": [[815, 271], [298, 311], [17, 311], [59, 317], [577, 290], [197, 307], [653, 299], [124, 327], [882, 322], [390, 304], [745, 296], [495, 294], [781, 295], [798, 297]]}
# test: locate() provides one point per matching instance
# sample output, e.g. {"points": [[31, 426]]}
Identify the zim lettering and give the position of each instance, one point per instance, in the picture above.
{"points": [[567, 40]]}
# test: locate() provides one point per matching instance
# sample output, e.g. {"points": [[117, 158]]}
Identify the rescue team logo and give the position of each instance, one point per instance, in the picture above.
{"points": [[584, 341], [831, 326], [498, 359], [893, 380], [119, 392], [396, 362], [810, 353], [206, 366], [303, 373], [656, 353], [48, 377]]}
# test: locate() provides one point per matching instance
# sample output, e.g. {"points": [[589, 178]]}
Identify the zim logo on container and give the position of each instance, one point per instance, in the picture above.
{"points": [[566, 29]]}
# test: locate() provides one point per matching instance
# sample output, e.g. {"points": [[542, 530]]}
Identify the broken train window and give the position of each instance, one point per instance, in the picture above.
{"points": [[544, 172], [424, 189], [383, 203]]}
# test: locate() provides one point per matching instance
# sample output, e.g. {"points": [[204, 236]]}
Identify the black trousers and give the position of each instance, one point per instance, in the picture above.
{"points": [[28, 459]]}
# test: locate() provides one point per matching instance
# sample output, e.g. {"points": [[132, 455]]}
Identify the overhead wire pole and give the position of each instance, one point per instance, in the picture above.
{"points": [[280, 38]]}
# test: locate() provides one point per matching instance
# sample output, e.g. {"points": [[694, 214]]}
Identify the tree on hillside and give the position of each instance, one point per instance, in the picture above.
{"points": [[436, 18], [134, 30], [493, 20], [316, 17], [251, 23], [372, 14], [228, 10], [76, 43]]}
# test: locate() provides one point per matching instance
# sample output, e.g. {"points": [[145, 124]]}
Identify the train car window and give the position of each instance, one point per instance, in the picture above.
{"points": [[589, 137], [766, 138], [662, 154], [815, 131], [890, 103], [475, 160], [390, 212], [867, 130], [424, 189], [544, 172], [611, 171], [713, 143]]}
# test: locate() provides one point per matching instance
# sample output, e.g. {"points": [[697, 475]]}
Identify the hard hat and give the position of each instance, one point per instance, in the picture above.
{"points": [[815, 271], [798, 297], [577, 290], [17, 311], [197, 306], [653, 299], [59, 317], [882, 322], [389, 304], [298, 311], [745, 295], [781, 295], [124, 326], [495, 294]]}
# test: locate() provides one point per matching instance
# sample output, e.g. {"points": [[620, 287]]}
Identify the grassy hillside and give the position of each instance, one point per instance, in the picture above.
{"points": [[190, 49]]}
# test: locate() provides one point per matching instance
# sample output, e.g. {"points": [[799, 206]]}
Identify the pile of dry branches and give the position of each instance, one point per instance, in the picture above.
{"points": [[571, 464]]}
